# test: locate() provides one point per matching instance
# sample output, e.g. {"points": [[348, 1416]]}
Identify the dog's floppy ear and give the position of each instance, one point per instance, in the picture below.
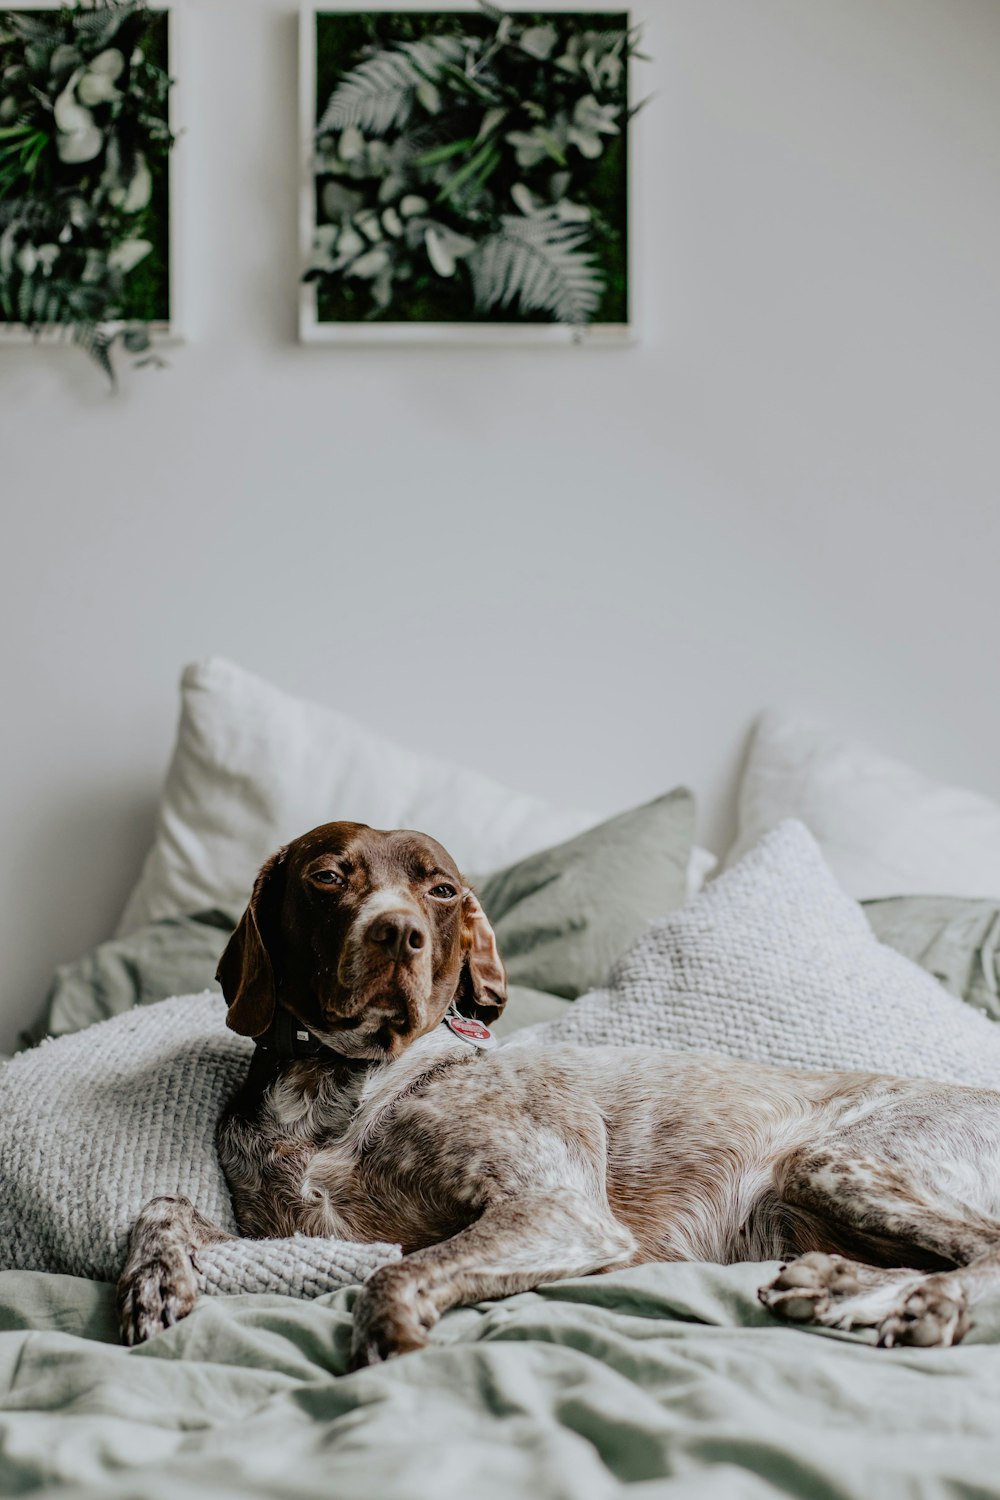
{"points": [[482, 984], [246, 968]]}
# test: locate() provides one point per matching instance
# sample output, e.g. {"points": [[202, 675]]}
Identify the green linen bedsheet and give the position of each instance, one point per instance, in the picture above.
{"points": [[665, 1380]]}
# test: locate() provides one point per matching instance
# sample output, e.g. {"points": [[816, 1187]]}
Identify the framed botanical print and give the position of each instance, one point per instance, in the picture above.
{"points": [[466, 174], [87, 196]]}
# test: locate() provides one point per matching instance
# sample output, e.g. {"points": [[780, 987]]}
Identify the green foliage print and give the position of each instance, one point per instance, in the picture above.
{"points": [[84, 181], [471, 166]]}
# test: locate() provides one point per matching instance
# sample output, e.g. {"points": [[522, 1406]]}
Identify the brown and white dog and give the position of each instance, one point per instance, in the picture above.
{"points": [[499, 1170]]}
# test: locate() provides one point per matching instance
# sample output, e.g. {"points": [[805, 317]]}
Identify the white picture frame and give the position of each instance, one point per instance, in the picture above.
{"points": [[314, 331], [164, 332]]}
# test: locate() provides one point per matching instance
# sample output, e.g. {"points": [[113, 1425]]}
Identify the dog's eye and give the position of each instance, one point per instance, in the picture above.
{"points": [[444, 892], [328, 877]]}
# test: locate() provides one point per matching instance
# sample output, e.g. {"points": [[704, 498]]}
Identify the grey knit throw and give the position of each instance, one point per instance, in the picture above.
{"points": [[94, 1125]]}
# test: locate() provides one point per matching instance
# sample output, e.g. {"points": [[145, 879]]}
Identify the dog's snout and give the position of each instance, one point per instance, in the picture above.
{"points": [[397, 934]]}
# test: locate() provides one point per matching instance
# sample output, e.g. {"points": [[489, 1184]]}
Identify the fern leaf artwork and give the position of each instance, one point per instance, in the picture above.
{"points": [[468, 167], [379, 94], [540, 263], [84, 181]]}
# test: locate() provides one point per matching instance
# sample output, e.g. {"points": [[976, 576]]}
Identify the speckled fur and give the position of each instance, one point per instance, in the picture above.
{"points": [[500, 1170], [159, 1283]]}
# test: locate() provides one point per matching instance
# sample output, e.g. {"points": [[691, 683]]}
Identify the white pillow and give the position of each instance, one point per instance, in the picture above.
{"points": [[774, 963], [885, 829], [700, 867], [253, 768]]}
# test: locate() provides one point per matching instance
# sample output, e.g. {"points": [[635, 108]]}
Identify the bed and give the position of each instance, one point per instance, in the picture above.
{"points": [[665, 1379]]}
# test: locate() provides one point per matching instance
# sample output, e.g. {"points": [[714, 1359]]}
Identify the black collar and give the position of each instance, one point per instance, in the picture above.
{"points": [[288, 1040]]}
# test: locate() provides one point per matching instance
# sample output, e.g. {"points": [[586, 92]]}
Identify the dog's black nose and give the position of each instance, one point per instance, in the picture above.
{"points": [[397, 934]]}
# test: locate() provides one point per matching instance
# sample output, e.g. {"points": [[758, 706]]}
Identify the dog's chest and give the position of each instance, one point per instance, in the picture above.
{"points": [[333, 1155], [321, 1106], [310, 1106]]}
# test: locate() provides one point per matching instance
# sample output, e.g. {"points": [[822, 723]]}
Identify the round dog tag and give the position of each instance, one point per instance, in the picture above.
{"points": [[471, 1031]]}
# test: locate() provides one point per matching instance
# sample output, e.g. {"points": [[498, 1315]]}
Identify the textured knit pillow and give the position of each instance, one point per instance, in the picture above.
{"points": [[773, 962], [94, 1125]]}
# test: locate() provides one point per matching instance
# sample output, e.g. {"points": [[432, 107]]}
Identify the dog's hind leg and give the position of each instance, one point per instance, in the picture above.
{"points": [[159, 1284], [896, 1219], [832, 1291]]}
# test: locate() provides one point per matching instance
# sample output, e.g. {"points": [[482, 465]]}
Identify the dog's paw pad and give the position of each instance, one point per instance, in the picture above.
{"points": [[798, 1293], [392, 1315], [932, 1316]]}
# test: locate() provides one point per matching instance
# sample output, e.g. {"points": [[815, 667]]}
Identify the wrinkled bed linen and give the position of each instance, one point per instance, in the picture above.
{"points": [[665, 1381]]}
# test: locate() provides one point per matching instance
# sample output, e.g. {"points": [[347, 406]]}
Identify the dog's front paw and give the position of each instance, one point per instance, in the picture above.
{"points": [[391, 1316], [801, 1292], [155, 1295]]}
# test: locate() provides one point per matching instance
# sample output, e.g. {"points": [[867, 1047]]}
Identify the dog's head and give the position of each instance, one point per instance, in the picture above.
{"points": [[366, 937]]}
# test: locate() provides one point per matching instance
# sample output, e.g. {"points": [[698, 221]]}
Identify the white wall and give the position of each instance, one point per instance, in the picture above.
{"points": [[584, 571]]}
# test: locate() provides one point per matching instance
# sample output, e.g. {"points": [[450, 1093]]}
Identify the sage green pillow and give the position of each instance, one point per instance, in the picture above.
{"points": [[954, 938], [175, 956], [564, 916], [527, 1008]]}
